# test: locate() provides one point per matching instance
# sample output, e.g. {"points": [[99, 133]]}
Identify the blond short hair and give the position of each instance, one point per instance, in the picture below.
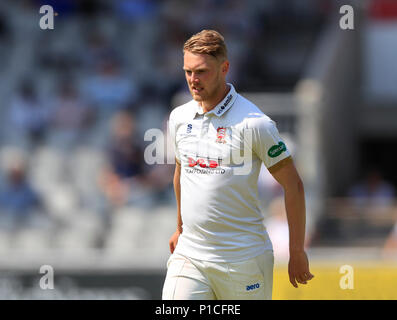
{"points": [[207, 42]]}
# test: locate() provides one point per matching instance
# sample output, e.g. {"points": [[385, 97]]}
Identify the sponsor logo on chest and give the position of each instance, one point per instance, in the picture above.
{"points": [[220, 135]]}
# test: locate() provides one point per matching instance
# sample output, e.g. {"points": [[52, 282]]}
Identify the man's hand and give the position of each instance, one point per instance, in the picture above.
{"points": [[298, 268], [174, 240]]}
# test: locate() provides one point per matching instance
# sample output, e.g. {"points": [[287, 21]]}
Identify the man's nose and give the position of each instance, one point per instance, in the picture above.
{"points": [[195, 78]]}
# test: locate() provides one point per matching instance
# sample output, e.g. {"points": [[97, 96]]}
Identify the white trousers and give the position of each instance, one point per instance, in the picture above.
{"points": [[191, 279]]}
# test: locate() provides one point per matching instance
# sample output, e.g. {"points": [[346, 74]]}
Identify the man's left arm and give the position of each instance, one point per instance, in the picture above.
{"points": [[288, 177]]}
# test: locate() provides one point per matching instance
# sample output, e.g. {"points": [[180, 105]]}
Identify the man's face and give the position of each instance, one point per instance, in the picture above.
{"points": [[205, 75]]}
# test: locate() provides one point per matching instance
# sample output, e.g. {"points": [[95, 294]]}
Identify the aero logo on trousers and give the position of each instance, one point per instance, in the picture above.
{"points": [[252, 287]]}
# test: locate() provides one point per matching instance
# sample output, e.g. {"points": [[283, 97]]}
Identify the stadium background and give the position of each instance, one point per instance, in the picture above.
{"points": [[76, 101]]}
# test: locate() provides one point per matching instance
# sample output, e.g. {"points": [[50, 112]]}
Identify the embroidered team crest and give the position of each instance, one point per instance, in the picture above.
{"points": [[220, 135]]}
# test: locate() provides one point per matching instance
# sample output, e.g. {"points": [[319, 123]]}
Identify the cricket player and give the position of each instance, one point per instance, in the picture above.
{"points": [[221, 249]]}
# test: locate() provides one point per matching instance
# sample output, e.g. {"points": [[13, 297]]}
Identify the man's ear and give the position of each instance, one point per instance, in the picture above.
{"points": [[225, 67]]}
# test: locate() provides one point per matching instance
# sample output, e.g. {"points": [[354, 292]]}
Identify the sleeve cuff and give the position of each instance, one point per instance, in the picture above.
{"points": [[280, 164]]}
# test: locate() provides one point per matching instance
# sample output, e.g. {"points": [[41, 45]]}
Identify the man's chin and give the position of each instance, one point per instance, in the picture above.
{"points": [[197, 97]]}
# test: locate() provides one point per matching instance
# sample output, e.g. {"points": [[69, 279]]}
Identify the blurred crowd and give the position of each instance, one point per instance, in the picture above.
{"points": [[78, 99]]}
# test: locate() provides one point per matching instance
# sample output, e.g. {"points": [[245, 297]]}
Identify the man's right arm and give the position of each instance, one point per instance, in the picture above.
{"points": [[177, 189]]}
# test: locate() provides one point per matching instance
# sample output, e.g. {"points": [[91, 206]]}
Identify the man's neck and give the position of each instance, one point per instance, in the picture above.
{"points": [[209, 105]]}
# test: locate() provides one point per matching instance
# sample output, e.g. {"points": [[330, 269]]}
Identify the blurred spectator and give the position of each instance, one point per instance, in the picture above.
{"points": [[20, 205], [169, 58], [158, 179], [122, 178], [374, 190], [70, 117], [28, 115], [127, 180], [150, 111], [4, 29], [5, 40], [98, 48], [108, 90]]}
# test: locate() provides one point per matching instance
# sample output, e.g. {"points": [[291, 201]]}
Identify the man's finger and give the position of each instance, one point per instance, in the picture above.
{"points": [[308, 276], [300, 279], [293, 282]]}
